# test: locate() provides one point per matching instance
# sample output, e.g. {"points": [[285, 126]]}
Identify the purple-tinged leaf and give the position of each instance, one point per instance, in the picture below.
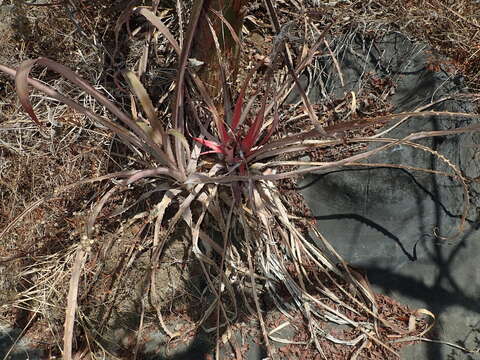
{"points": [[150, 16], [21, 84], [149, 173]]}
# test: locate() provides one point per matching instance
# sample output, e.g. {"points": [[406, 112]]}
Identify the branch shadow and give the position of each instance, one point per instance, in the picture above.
{"points": [[438, 282]]}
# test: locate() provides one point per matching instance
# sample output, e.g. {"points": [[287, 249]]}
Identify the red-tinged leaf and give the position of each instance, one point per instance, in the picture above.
{"points": [[237, 112], [254, 131], [223, 132], [271, 129], [219, 123], [208, 152], [238, 105], [21, 84], [210, 144]]}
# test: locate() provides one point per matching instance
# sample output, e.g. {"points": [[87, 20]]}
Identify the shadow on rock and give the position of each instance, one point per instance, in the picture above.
{"points": [[401, 224]]}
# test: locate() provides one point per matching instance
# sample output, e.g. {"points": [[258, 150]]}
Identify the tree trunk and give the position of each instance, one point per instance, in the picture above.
{"points": [[204, 48]]}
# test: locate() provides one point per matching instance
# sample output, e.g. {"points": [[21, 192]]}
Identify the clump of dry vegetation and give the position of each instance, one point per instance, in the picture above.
{"points": [[141, 193]]}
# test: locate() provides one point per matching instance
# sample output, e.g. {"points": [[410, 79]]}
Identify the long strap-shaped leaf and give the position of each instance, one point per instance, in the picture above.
{"points": [[80, 258], [150, 16], [254, 131], [178, 108], [140, 92], [238, 105], [123, 133], [291, 70], [21, 80]]}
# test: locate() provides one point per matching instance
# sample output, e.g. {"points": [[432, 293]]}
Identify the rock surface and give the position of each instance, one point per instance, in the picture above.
{"points": [[385, 219], [17, 347]]}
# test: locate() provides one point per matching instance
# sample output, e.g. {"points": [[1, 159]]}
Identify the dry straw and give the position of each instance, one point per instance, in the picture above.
{"points": [[209, 171]]}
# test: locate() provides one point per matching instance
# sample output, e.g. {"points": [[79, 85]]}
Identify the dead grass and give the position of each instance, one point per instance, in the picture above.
{"points": [[452, 28], [36, 256]]}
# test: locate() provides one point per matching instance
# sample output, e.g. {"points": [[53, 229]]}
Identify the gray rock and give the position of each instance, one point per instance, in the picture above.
{"points": [[383, 219], [14, 348]]}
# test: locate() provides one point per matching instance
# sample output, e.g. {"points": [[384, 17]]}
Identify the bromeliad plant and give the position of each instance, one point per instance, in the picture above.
{"points": [[172, 159], [171, 156], [272, 253], [235, 143]]}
